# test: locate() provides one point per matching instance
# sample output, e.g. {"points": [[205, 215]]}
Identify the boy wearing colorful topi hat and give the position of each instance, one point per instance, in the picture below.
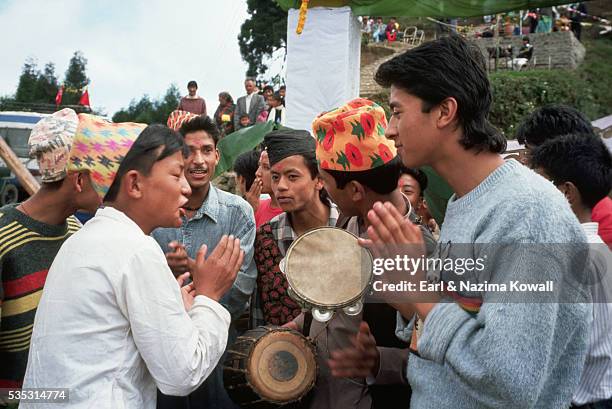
{"points": [[31, 234]]}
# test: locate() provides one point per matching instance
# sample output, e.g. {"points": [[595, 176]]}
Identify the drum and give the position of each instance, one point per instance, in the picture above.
{"points": [[327, 271], [269, 367]]}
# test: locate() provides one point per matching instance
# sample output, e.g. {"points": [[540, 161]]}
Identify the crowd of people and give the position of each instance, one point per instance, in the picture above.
{"points": [[136, 307], [258, 105], [373, 28]]}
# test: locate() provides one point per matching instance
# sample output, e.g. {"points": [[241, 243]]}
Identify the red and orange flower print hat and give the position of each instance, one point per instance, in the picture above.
{"points": [[352, 138]]}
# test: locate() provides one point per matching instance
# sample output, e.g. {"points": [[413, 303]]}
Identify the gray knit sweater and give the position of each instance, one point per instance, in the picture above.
{"points": [[508, 354]]}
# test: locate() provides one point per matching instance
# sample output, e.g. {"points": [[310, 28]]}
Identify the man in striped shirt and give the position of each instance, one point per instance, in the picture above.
{"points": [[579, 165], [32, 233]]}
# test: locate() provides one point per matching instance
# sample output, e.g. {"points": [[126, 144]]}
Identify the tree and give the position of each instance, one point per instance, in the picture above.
{"points": [[26, 90], [262, 34], [75, 80], [147, 111], [46, 85]]}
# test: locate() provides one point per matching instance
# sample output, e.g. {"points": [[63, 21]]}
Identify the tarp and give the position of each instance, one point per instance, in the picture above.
{"points": [[428, 8], [238, 142]]}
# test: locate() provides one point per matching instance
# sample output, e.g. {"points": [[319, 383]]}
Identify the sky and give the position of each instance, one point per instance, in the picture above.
{"points": [[133, 47]]}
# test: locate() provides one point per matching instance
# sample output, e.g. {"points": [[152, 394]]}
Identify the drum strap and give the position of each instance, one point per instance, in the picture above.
{"points": [[307, 323]]}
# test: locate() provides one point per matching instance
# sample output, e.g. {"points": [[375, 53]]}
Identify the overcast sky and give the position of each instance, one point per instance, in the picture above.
{"points": [[133, 47]]}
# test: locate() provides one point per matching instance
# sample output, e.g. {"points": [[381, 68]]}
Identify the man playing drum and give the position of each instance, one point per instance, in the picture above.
{"points": [[299, 191], [369, 175]]}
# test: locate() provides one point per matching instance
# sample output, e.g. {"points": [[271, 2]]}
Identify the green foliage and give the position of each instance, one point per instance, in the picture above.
{"points": [[516, 94], [75, 80], [262, 34], [27, 82], [46, 85], [147, 111]]}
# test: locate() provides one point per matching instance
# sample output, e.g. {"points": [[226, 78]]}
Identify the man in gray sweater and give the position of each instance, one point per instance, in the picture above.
{"points": [[480, 347]]}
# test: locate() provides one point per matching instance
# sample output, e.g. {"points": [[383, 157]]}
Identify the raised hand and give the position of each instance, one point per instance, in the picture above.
{"points": [[360, 360], [178, 260], [215, 274]]}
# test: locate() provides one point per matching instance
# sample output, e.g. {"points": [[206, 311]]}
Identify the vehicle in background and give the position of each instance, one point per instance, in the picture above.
{"points": [[15, 128]]}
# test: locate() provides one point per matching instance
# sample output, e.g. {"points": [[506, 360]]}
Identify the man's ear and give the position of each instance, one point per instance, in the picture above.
{"points": [[571, 193], [319, 183], [356, 190], [132, 184], [447, 112], [217, 156]]}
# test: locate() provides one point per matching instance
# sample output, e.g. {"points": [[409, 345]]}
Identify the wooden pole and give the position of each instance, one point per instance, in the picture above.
{"points": [[29, 183]]}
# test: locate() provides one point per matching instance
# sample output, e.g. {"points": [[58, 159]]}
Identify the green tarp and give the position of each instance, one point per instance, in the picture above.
{"points": [[238, 142], [429, 8]]}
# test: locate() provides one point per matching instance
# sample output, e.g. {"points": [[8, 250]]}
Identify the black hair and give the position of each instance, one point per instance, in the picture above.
{"points": [[283, 87], [418, 175], [277, 96], [526, 38], [382, 179], [268, 87], [443, 68], [551, 121], [246, 165], [201, 123], [192, 84], [227, 96], [155, 143], [582, 159]]}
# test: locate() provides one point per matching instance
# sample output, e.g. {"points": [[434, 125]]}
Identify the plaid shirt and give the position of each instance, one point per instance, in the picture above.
{"points": [[283, 235]]}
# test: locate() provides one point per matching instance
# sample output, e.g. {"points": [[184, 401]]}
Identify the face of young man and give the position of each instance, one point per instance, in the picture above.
{"points": [[165, 191], [413, 131], [192, 91], [293, 186], [341, 197], [202, 160], [263, 173], [410, 187]]}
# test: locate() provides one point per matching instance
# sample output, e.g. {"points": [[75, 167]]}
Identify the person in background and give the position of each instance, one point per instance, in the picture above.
{"points": [[412, 183], [224, 115], [192, 102], [379, 30], [268, 91], [31, 234], [552, 121], [580, 166], [277, 111], [245, 166], [249, 105], [268, 208], [282, 91], [391, 30]]}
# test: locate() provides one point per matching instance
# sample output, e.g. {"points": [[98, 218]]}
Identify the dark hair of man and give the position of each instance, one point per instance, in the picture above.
{"points": [[246, 165], [268, 87], [227, 97], [192, 84], [155, 143], [582, 159], [550, 121], [201, 123], [382, 180], [443, 68], [418, 175]]}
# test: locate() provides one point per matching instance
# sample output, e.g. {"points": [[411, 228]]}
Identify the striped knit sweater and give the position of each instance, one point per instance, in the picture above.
{"points": [[27, 249]]}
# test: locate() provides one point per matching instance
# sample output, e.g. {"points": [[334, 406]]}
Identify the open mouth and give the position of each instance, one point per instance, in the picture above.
{"points": [[198, 173]]}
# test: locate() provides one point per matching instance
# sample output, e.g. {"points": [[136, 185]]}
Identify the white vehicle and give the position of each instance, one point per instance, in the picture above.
{"points": [[15, 128]]}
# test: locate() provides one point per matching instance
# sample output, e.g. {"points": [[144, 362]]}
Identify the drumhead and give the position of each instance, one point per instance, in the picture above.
{"points": [[326, 267], [282, 366]]}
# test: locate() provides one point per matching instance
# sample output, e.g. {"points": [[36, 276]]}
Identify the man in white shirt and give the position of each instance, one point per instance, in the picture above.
{"points": [[113, 324], [580, 166], [250, 104]]}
